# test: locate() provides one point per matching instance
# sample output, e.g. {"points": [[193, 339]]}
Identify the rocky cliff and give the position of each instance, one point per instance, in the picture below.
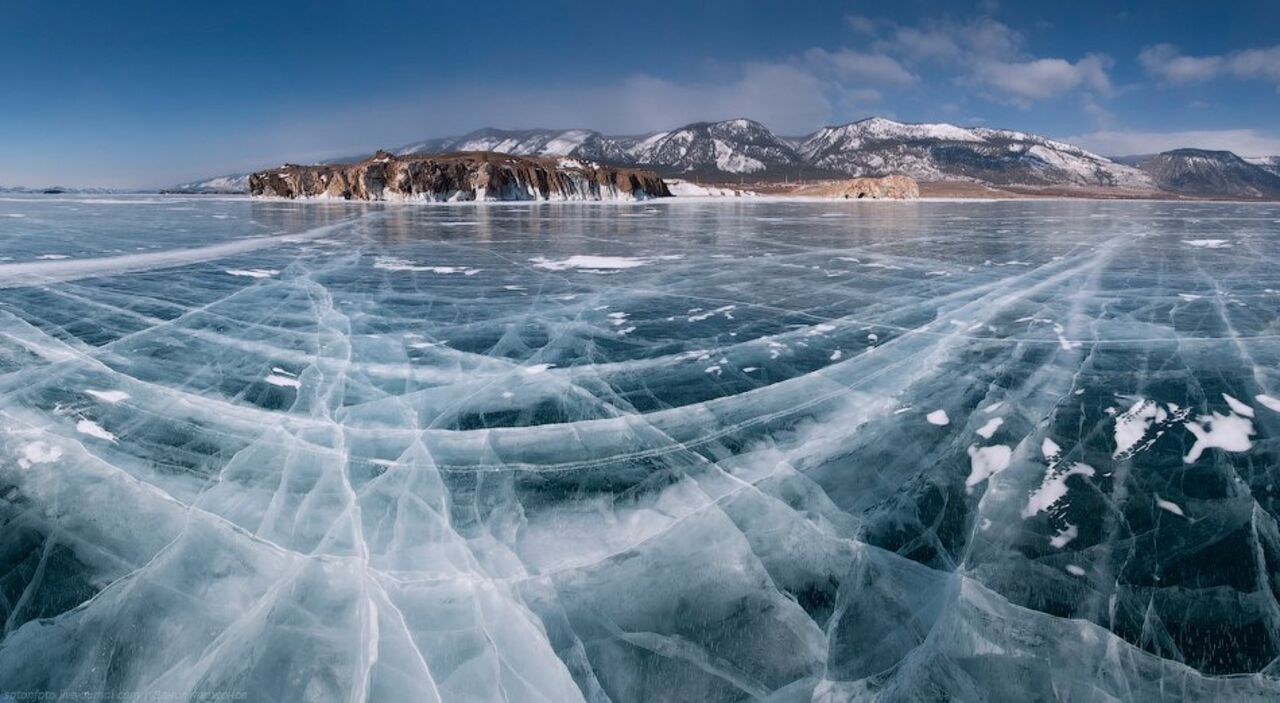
{"points": [[460, 176]]}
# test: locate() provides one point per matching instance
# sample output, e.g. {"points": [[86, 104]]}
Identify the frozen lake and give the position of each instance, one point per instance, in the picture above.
{"points": [[696, 451]]}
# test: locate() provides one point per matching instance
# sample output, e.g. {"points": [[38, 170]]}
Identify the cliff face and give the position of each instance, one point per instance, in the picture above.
{"points": [[886, 188], [460, 176]]}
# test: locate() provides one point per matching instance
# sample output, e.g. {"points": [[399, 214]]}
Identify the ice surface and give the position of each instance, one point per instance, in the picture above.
{"points": [[496, 467]]}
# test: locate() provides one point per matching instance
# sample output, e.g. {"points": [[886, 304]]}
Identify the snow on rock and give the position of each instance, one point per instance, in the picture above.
{"points": [[733, 146], [932, 152]]}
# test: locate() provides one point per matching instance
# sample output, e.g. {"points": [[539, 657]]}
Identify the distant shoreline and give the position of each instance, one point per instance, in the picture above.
{"points": [[929, 193]]}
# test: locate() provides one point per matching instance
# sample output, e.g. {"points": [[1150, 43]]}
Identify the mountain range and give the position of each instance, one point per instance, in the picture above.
{"points": [[745, 150]]}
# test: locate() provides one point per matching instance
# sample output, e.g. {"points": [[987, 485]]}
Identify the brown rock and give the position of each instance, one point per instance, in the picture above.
{"points": [[480, 175], [885, 188]]}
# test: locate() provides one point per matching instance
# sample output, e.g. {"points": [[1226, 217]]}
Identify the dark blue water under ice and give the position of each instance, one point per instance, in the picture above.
{"points": [[685, 451]]}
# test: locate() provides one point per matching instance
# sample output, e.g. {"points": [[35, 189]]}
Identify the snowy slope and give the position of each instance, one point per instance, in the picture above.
{"points": [[1268, 163], [234, 183], [583, 143], [745, 149], [736, 147], [933, 152], [1211, 173]]}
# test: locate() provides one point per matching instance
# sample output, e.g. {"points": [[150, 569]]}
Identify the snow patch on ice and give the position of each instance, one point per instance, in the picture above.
{"points": [[989, 429], [1064, 536], [1053, 488], [1227, 432], [724, 310], [38, 453], [590, 262], [985, 462], [93, 429], [389, 263], [1135, 424], [1169, 506], [1208, 243], [1237, 406], [1268, 402], [109, 396], [276, 379], [939, 418], [253, 273]]}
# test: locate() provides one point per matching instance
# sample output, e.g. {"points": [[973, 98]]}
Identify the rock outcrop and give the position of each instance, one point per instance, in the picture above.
{"points": [[885, 188], [459, 176]]}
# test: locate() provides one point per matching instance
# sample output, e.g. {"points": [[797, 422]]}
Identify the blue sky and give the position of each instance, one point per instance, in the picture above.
{"points": [[135, 94]]}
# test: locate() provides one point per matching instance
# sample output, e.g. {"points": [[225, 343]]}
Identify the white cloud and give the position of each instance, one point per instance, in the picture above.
{"points": [[1245, 142], [987, 37], [987, 53], [1037, 79], [847, 65], [866, 25], [1166, 62], [982, 38], [925, 45], [1263, 64]]}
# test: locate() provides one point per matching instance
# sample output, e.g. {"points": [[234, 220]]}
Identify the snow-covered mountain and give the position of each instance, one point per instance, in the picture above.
{"points": [[1269, 163], [732, 150], [582, 143], [233, 183], [731, 147], [1211, 173], [736, 147], [936, 152]]}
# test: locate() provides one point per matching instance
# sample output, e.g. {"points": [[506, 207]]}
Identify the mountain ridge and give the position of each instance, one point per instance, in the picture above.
{"points": [[1211, 172], [742, 149]]}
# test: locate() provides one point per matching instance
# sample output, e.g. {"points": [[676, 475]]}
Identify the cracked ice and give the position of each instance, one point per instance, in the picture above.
{"points": [[724, 451]]}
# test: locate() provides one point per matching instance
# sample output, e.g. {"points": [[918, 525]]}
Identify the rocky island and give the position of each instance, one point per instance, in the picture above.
{"points": [[463, 176]]}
